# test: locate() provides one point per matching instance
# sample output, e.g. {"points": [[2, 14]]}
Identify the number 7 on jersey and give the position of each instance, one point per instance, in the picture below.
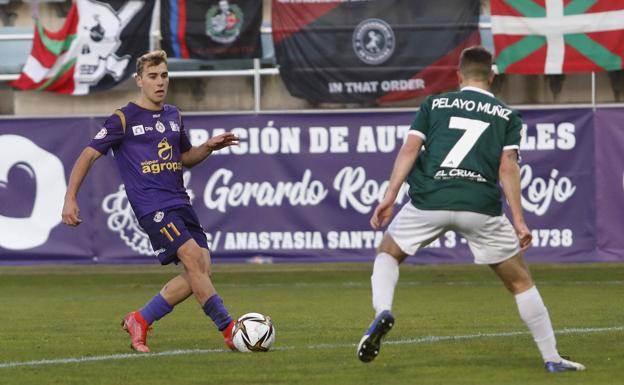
{"points": [[474, 128]]}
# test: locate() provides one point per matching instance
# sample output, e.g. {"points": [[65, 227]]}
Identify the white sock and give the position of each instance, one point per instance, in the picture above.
{"points": [[383, 281], [535, 316]]}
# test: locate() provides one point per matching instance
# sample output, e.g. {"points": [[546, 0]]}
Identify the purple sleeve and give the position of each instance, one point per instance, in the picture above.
{"points": [[110, 135], [185, 143]]}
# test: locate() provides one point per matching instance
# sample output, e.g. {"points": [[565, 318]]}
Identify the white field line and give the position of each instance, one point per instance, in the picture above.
{"points": [[415, 341]]}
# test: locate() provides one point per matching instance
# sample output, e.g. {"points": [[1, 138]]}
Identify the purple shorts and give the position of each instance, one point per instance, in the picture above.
{"points": [[170, 228]]}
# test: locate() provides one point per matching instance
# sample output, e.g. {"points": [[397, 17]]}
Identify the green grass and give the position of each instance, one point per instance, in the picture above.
{"points": [[320, 312]]}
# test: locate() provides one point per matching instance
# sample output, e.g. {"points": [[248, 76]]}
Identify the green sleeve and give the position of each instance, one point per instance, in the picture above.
{"points": [[421, 122], [514, 130]]}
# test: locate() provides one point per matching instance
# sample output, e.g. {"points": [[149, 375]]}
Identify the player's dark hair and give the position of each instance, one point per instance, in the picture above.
{"points": [[152, 58], [476, 63]]}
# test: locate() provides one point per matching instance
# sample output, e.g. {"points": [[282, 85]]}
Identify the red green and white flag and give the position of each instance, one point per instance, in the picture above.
{"points": [[558, 36], [94, 50]]}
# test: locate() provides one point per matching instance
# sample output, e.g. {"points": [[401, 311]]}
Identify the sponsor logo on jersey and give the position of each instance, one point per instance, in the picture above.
{"points": [[138, 130], [458, 173], [101, 134], [165, 153], [159, 217], [160, 127], [373, 41], [165, 150], [174, 126]]}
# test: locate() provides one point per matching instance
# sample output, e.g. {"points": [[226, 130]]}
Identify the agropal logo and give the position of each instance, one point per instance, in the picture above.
{"points": [[26, 222]]}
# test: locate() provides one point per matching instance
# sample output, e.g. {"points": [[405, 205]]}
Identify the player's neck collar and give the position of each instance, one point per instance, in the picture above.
{"points": [[148, 109], [477, 89]]}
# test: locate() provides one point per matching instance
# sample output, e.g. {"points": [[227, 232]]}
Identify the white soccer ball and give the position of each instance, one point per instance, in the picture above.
{"points": [[254, 332]]}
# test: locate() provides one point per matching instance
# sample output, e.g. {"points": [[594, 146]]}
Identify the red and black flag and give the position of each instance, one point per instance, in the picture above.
{"points": [[371, 51], [213, 29]]}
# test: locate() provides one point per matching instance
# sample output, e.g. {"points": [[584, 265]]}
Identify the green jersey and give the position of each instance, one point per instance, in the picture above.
{"points": [[464, 135]]}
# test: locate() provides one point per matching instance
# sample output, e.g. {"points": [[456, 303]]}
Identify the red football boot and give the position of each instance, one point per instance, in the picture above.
{"points": [[137, 327], [227, 335]]}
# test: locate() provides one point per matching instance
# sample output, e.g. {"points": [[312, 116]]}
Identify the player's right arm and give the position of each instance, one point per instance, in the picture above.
{"points": [[71, 211], [402, 166], [111, 134]]}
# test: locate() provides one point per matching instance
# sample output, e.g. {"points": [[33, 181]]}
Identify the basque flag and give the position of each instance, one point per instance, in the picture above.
{"points": [[558, 36]]}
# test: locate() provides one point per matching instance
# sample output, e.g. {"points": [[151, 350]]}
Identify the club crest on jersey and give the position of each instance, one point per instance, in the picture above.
{"points": [[158, 217], [138, 130], [174, 126], [160, 127], [101, 134]]}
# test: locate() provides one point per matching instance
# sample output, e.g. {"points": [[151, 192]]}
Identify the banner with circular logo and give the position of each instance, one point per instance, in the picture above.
{"points": [[372, 51]]}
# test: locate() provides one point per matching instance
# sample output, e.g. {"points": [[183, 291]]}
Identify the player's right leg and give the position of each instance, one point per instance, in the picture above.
{"points": [[383, 283], [409, 231]]}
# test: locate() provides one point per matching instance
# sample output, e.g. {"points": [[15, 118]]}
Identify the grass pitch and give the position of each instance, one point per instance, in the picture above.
{"points": [[455, 325]]}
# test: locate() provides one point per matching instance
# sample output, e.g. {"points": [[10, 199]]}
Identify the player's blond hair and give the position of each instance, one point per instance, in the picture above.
{"points": [[476, 63], [152, 58]]}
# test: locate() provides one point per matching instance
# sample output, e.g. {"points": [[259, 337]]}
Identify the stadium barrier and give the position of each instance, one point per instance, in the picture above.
{"points": [[302, 187]]}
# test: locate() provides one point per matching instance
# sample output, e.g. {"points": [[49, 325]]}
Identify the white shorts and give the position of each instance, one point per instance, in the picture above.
{"points": [[491, 239]]}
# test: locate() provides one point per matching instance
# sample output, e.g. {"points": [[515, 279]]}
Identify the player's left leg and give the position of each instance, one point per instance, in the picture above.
{"points": [[493, 241], [516, 277], [196, 261]]}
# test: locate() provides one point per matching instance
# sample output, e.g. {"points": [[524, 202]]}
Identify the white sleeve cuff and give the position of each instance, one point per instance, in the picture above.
{"points": [[417, 133]]}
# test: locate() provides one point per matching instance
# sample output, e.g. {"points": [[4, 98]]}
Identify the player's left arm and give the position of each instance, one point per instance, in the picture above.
{"points": [[509, 175], [196, 154]]}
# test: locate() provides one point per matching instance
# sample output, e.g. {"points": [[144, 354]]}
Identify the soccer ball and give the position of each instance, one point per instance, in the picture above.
{"points": [[254, 332]]}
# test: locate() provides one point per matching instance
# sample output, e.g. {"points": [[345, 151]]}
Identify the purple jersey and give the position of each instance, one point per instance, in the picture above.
{"points": [[147, 146]]}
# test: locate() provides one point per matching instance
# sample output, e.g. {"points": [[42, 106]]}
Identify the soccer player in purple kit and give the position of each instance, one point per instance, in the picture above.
{"points": [[151, 148]]}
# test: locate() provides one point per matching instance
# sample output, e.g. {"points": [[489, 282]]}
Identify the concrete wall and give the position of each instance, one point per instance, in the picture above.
{"points": [[232, 94]]}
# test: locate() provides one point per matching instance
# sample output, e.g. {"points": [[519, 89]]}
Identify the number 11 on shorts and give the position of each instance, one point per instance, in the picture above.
{"points": [[173, 228]]}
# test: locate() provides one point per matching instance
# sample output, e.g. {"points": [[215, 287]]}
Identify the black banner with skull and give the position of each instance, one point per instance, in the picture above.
{"points": [[371, 51], [119, 32]]}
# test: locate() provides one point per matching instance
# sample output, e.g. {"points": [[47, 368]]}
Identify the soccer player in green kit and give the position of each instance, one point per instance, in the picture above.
{"points": [[470, 143]]}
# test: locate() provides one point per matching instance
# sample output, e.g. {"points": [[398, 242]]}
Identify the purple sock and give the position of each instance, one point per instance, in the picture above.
{"points": [[155, 309], [217, 312]]}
